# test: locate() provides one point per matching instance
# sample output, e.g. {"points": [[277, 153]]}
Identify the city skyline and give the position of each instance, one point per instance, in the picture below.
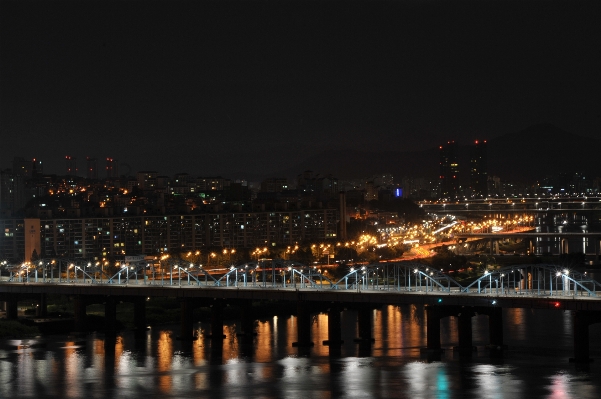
{"points": [[300, 198]]}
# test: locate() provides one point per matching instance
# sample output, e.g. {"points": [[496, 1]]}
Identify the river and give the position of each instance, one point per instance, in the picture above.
{"points": [[158, 365]]}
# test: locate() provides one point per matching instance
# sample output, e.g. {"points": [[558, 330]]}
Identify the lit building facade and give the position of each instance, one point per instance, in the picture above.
{"points": [[478, 169], [95, 238], [449, 170], [71, 165], [112, 170], [92, 168]]}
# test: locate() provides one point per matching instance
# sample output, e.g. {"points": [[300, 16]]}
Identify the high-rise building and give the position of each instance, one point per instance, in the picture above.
{"points": [[92, 168], [38, 169], [98, 237], [449, 170], [112, 171], [274, 185], [71, 165], [12, 192], [478, 169], [27, 169], [22, 167], [147, 180]]}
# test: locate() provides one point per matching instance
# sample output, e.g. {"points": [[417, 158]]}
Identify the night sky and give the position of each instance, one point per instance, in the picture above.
{"points": [[249, 88]]}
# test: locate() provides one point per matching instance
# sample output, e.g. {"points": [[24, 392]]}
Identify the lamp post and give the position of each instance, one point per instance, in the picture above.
{"points": [[102, 264], [209, 256], [83, 274], [96, 269], [229, 253]]}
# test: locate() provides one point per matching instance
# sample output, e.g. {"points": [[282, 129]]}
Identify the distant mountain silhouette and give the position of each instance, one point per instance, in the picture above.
{"points": [[540, 151], [355, 164], [525, 156]]}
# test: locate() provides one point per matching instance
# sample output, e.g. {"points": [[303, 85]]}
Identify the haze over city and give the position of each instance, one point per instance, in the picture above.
{"points": [[255, 88]]}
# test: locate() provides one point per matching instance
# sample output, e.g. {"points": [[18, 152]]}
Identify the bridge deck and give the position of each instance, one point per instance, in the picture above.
{"points": [[391, 296]]}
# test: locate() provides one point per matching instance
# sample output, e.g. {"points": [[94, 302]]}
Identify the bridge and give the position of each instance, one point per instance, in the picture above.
{"points": [[536, 286], [532, 236], [517, 205]]}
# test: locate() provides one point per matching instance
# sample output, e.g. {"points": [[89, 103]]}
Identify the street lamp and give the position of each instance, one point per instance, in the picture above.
{"points": [[84, 274], [209, 256], [52, 270]]}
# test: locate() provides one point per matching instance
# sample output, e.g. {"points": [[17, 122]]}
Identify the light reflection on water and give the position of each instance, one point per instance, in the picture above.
{"points": [[159, 365]]}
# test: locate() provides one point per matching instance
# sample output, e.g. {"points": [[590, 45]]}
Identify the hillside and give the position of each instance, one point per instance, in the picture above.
{"points": [[528, 155]]}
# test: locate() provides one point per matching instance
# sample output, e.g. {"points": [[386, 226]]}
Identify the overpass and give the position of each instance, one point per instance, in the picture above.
{"points": [[522, 205], [563, 237]]}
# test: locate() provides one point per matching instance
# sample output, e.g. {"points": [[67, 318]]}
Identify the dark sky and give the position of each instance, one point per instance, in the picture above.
{"points": [[235, 87]]}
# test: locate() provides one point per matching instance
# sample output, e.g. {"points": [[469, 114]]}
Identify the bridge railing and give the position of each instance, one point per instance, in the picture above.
{"points": [[540, 280], [534, 280]]}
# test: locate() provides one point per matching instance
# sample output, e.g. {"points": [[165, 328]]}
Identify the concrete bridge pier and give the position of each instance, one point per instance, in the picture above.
{"points": [[464, 325], [110, 315], [79, 310], [217, 320], [246, 332], [12, 310], [464, 316], [140, 315], [42, 310], [582, 320], [432, 349], [364, 321], [334, 326], [247, 319], [495, 331], [303, 326], [186, 332], [110, 342]]}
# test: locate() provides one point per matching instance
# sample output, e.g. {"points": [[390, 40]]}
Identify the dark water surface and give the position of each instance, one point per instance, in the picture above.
{"points": [[160, 366]]}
